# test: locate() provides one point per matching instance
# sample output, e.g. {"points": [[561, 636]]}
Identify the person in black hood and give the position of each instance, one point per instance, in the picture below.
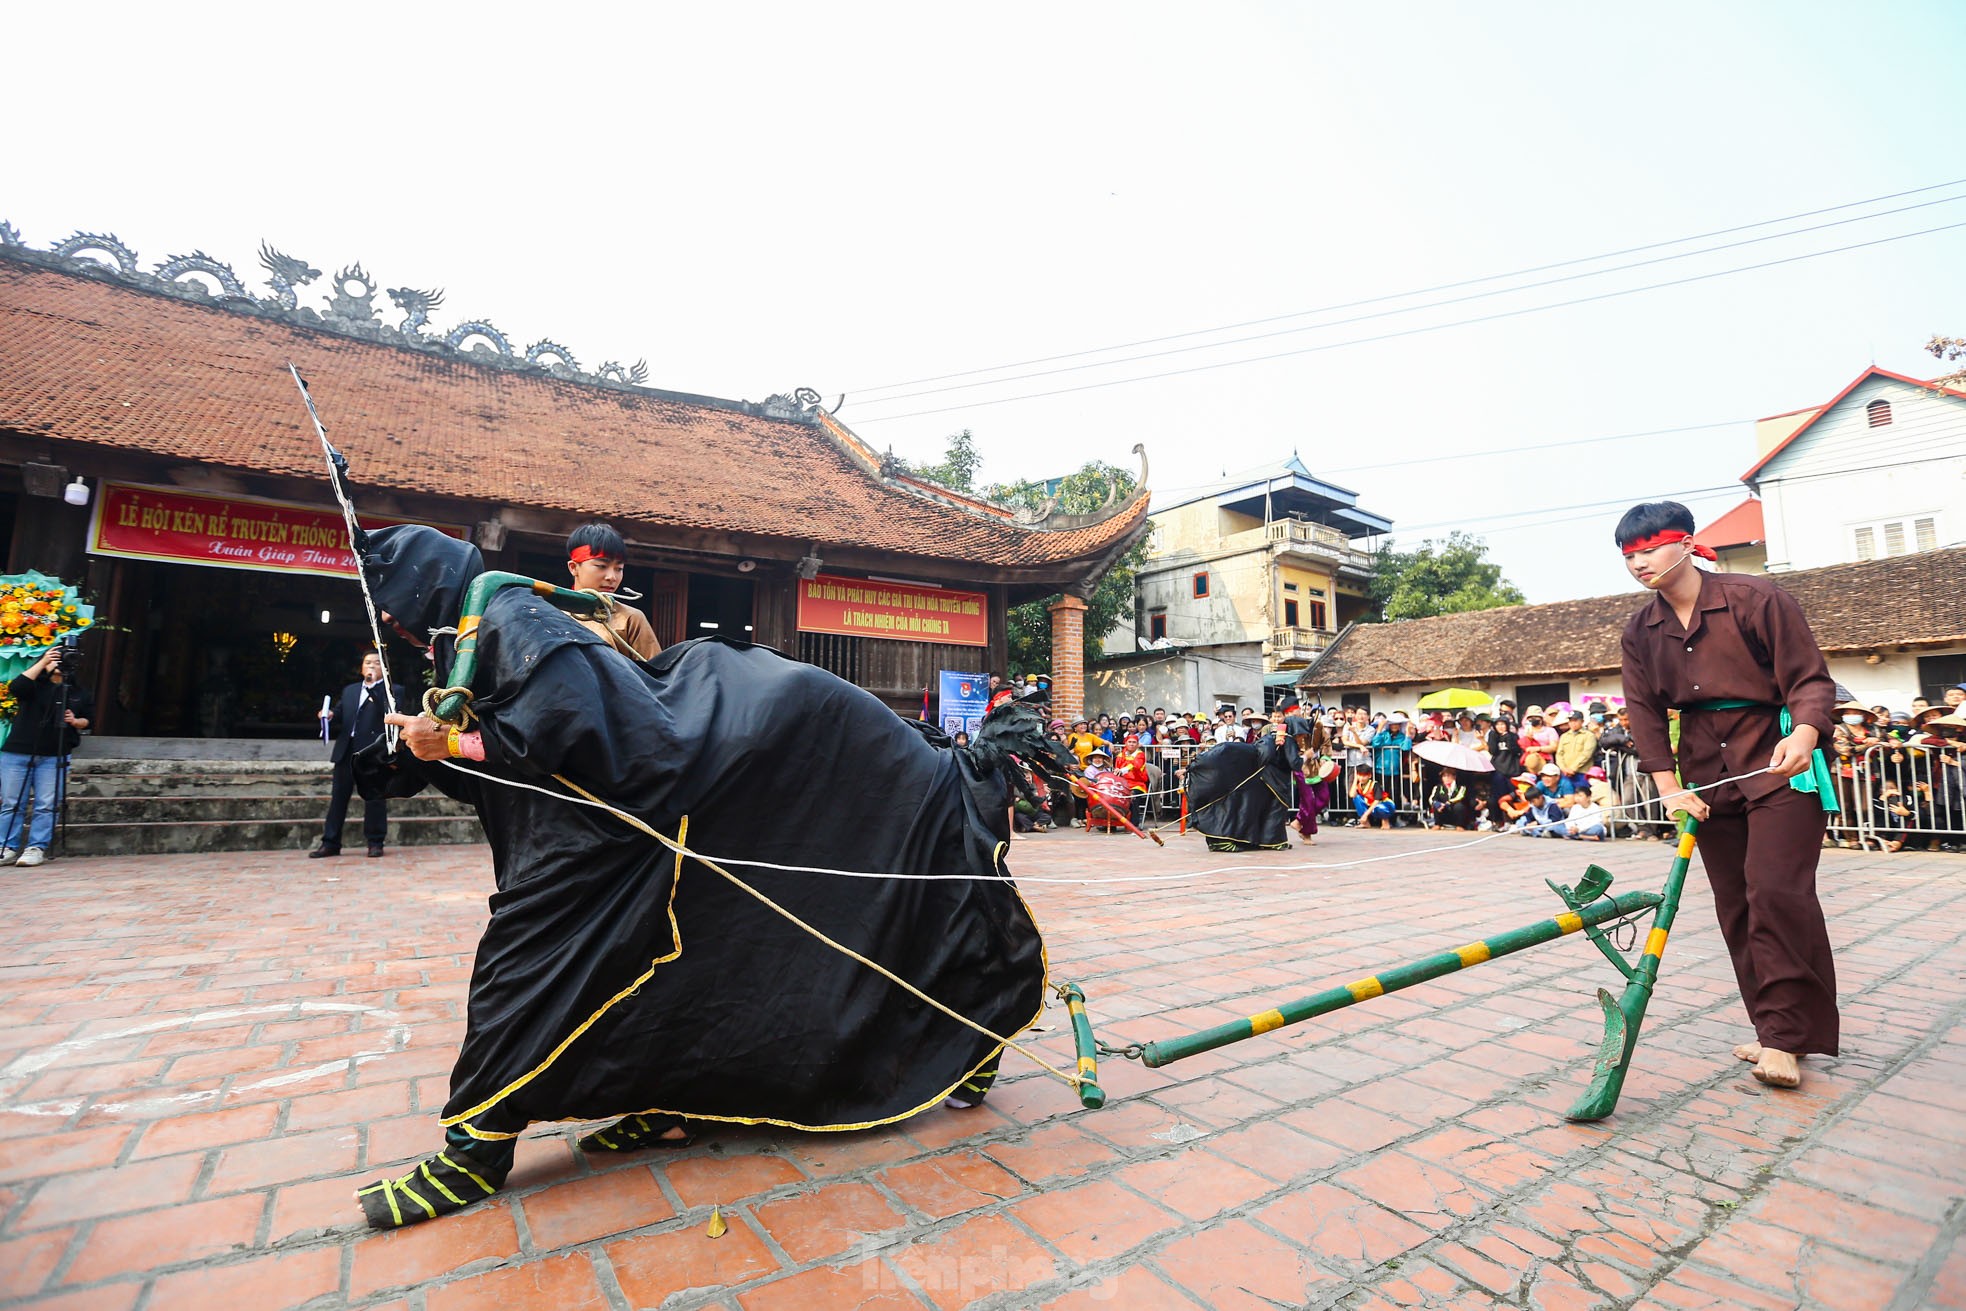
{"points": [[618, 979]]}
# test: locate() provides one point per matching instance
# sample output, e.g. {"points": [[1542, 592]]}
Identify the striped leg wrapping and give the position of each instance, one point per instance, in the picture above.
{"points": [[632, 1133], [442, 1184]]}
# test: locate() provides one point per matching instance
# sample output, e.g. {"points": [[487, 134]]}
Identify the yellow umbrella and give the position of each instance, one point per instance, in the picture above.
{"points": [[1455, 698]]}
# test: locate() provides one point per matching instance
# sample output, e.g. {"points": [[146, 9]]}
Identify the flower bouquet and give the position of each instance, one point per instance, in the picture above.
{"points": [[36, 612]]}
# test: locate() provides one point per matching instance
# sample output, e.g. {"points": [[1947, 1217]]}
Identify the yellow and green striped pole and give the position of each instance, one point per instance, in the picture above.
{"points": [[1623, 1017], [1091, 1095], [1600, 911]]}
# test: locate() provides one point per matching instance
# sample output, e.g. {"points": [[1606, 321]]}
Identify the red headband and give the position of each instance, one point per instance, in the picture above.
{"points": [[1667, 538], [582, 554]]}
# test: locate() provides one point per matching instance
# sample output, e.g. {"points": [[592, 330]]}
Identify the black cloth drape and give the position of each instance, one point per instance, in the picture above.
{"points": [[614, 977], [1241, 795]]}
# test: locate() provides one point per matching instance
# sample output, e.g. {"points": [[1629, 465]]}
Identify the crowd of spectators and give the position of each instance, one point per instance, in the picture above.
{"points": [[1898, 775], [1561, 771]]}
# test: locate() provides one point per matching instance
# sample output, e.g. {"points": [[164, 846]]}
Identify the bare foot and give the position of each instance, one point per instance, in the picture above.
{"points": [[1778, 1069], [1749, 1052]]}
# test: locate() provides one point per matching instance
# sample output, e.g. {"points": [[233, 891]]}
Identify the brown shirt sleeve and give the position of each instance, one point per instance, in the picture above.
{"points": [[1642, 698], [635, 629], [1801, 673]]}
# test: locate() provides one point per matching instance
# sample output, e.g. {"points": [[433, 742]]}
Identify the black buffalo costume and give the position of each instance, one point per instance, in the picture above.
{"points": [[1241, 794], [617, 979]]}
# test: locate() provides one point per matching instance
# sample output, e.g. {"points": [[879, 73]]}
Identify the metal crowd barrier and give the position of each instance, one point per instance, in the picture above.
{"points": [[1899, 796]]}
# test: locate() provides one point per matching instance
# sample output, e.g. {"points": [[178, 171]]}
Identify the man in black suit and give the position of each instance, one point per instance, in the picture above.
{"points": [[356, 722]]}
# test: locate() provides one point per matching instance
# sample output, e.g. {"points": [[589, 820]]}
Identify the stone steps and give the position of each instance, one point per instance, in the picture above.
{"points": [[150, 805]]}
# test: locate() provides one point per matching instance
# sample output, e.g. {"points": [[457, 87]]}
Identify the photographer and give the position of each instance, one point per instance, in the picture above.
{"points": [[34, 761]]}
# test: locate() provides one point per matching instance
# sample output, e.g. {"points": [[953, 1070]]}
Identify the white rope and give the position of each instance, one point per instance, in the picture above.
{"points": [[390, 731], [1213, 871]]}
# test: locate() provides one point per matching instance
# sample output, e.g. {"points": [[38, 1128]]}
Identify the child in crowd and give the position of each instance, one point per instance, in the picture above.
{"points": [[1369, 800], [1585, 820], [1515, 804], [1546, 818]]}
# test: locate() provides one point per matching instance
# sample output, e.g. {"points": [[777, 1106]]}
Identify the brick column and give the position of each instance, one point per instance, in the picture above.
{"points": [[1067, 657]]}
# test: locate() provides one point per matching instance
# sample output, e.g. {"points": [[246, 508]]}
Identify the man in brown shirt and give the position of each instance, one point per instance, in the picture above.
{"points": [[597, 557], [1729, 652]]}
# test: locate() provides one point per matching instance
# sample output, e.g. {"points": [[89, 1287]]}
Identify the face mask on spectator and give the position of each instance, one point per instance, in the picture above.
{"points": [[1853, 719]]}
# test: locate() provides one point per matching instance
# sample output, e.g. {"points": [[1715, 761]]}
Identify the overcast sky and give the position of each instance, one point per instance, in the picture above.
{"points": [[854, 197]]}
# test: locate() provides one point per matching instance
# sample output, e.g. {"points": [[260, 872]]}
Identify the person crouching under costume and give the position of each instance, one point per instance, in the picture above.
{"points": [[618, 980], [596, 558], [1734, 655], [1241, 795]]}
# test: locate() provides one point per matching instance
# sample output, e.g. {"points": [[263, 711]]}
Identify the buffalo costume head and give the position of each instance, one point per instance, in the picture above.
{"points": [[417, 577]]}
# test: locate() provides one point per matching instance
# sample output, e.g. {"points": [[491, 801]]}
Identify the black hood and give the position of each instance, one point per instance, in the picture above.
{"points": [[418, 575]]}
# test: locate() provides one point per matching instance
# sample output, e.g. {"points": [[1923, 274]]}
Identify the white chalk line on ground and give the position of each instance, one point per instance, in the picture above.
{"points": [[28, 1064]]}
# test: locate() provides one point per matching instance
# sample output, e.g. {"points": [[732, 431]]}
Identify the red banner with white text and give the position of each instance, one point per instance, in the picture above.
{"points": [[226, 532], [901, 612]]}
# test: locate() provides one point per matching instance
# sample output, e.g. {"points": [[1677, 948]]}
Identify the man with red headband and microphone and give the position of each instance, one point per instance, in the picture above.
{"points": [[597, 557], [1734, 655]]}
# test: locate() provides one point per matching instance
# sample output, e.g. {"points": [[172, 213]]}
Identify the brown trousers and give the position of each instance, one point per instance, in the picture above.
{"points": [[1760, 857]]}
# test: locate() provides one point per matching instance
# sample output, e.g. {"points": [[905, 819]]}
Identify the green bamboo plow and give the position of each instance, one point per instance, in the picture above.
{"points": [[450, 705], [1091, 1095], [1590, 907]]}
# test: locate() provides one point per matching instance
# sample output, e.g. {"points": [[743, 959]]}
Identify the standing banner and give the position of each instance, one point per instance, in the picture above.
{"points": [[965, 698]]}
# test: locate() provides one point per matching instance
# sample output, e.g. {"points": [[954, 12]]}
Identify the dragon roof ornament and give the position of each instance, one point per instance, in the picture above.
{"points": [[348, 308]]}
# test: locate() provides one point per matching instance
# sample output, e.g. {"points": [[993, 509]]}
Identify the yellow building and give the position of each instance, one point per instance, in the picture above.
{"points": [[1261, 572]]}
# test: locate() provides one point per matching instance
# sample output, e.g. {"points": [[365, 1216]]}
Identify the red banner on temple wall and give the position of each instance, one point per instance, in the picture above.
{"points": [[862, 607], [226, 532]]}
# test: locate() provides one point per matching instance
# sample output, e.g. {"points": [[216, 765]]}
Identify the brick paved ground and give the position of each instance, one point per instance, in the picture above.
{"points": [[200, 1056]]}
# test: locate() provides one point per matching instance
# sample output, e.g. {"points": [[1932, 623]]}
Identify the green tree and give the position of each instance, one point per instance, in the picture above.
{"points": [[960, 462], [1444, 579], [1111, 601], [1951, 350]]}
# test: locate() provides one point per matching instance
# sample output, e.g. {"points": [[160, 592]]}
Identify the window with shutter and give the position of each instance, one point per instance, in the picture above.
{"points": [[1866, 544], [1894, 538], [1879, 413], [1925, 534]]}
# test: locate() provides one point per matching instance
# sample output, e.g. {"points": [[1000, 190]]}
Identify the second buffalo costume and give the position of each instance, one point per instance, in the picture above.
{"points": [[618, 979], [1242, 795]]}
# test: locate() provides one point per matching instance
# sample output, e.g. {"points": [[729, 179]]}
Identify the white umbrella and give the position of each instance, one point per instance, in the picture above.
{"points": [[1452, 755]]}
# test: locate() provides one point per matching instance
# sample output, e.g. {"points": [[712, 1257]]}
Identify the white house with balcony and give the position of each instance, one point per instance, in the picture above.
{"points": [[1878, 471], [1249, 580]]}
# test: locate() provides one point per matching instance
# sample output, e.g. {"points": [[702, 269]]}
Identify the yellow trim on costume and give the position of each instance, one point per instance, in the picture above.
{"points": [[467, 626], [995, 1053], [1685, 845], [540, 587], [1366, 989], [1655, 941], [1570, 921], [1472, 954], [1270, 1019], [676, 936], [1088, 1067]]}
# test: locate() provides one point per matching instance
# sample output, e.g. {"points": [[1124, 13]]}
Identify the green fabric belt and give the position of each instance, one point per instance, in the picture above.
{"points": [[1816, 779]]}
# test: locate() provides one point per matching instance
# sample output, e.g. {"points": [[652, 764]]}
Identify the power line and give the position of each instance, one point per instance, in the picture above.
{"points": [[1410, 332], [1420, 291], [1630, 499], [1412, 309]]}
